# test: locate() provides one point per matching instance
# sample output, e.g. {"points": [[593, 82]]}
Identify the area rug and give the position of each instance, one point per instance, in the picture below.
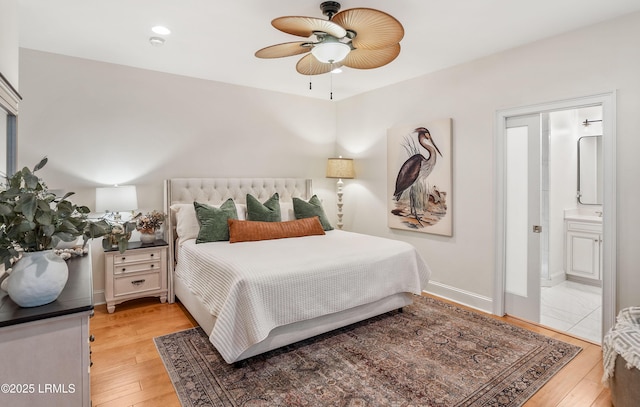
{"points": [[431, 354]]}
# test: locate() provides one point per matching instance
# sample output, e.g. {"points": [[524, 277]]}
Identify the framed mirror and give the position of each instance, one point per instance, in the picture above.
{"points": [[590, 170], [9, 99]]}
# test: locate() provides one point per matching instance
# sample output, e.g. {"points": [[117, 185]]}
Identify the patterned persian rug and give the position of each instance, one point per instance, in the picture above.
{"points": [[432, 354]]}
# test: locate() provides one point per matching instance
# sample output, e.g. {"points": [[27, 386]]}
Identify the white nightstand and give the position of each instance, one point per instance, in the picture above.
{"points": [[141, 271]]}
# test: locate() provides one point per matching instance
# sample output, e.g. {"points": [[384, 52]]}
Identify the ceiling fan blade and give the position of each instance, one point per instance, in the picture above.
{"points": [[309, 65], [305, 26], [374, 29], [371, 58], [286, 49]]}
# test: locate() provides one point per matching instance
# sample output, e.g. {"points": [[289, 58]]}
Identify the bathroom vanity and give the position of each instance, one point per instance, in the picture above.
{"points": [[583, 240], [583, 224]]}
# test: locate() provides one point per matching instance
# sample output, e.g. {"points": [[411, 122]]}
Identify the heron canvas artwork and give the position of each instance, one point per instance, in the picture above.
{"points": [[419, 177]]}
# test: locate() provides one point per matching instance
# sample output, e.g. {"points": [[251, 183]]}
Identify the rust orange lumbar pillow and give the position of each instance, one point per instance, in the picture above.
{"points": [[249, 231]]}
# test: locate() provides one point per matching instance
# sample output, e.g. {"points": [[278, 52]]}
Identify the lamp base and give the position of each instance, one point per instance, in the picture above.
{"points": [[339, 184]]}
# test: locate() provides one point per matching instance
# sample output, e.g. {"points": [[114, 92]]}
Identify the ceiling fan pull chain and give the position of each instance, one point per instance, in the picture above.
{"points": [[310, 74], [331, 82]]}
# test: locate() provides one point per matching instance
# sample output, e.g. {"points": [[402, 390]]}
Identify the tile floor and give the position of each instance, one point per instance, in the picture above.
{"points": [[573, 308]]}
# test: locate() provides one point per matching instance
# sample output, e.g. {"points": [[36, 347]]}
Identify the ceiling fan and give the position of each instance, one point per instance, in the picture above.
{"points": [[361, 38]]}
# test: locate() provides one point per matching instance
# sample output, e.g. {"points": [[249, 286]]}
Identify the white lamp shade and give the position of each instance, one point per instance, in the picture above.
{"points": [[340, 168], [330, 52], [116, 199]]}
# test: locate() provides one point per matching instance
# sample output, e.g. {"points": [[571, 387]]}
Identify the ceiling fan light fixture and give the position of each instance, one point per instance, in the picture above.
{"points": [[359, 38], [156, 41], [331, 51]]}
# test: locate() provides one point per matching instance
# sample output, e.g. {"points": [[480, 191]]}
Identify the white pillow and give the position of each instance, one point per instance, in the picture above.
{"points": [[242, 211], [286, 211], [187, 225]]}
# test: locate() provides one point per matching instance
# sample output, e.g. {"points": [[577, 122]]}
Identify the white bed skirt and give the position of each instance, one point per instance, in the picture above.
{"points": [[288, 334]]}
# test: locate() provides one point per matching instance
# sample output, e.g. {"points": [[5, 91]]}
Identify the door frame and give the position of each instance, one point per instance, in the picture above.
{"points": [[608, 102]]}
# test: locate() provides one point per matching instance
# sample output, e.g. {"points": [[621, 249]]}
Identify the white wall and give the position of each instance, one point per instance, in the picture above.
{"points": [[101, 124], [9, 40], [98, 122], [589, 61]]}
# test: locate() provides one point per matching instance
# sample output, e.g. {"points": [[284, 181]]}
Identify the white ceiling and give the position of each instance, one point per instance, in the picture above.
{"points": [[216, 40]]}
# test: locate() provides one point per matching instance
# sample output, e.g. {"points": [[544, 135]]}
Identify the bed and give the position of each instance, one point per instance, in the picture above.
{"points": [[252, 297]]}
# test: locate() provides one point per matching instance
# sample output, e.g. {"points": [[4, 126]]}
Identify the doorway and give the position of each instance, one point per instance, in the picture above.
{"points": [[527, 231], [571, 278]]}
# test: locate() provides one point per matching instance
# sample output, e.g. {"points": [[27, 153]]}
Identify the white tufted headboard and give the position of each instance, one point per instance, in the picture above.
{"points": [[218, 190]]}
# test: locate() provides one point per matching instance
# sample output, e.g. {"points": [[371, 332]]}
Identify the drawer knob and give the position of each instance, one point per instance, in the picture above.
{"points": [[124, 269], [151, 254], [137, 282], [124, 258], [92, 338], [153, 265]]}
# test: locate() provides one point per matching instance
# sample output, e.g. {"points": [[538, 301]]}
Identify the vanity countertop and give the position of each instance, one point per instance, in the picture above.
{"points": [[583, 215]]}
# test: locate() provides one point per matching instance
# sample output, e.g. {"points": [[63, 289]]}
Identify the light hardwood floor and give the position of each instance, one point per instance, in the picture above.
{"points": [[127, 370]]}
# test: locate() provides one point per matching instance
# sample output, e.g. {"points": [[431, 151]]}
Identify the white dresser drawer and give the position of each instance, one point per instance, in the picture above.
{"points": [[138, 283], [135, 267]]}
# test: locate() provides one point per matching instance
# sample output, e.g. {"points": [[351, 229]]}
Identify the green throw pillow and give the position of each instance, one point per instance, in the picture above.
{"points": [[267, 212], [213, 221], [310, 209]]}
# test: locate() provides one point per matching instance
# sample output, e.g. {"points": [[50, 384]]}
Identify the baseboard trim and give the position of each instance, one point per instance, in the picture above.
{"points": [[463, 297], [556, 278], [583, 280], [98, 297]]}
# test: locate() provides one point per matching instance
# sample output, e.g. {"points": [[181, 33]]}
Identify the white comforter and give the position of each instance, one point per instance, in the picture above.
{"points": [[253, 287]]}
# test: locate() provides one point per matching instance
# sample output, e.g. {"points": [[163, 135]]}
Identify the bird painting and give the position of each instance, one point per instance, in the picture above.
{"points": [[415, 170]]}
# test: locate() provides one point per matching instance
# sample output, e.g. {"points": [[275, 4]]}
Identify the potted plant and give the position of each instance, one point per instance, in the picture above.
{"points": [[118, 234], [148, 224], [33, 220]]}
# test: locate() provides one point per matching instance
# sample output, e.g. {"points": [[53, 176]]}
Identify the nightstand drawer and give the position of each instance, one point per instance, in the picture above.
{"points": [[136, 284], [136, 257], [135, 267]]}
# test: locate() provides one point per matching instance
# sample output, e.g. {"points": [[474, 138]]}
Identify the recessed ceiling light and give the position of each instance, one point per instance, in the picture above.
{"points": [[161, 30], [156, 41]]}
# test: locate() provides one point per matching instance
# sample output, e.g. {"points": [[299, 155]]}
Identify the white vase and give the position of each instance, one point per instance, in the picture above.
{"points": [[147, 237], [37, 278]]}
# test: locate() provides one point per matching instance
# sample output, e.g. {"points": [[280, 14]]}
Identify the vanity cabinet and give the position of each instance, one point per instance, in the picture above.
{"points": [[584, 250]]}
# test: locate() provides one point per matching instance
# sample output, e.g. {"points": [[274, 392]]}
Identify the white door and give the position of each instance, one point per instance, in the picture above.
{"points": [[522, 221]]}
